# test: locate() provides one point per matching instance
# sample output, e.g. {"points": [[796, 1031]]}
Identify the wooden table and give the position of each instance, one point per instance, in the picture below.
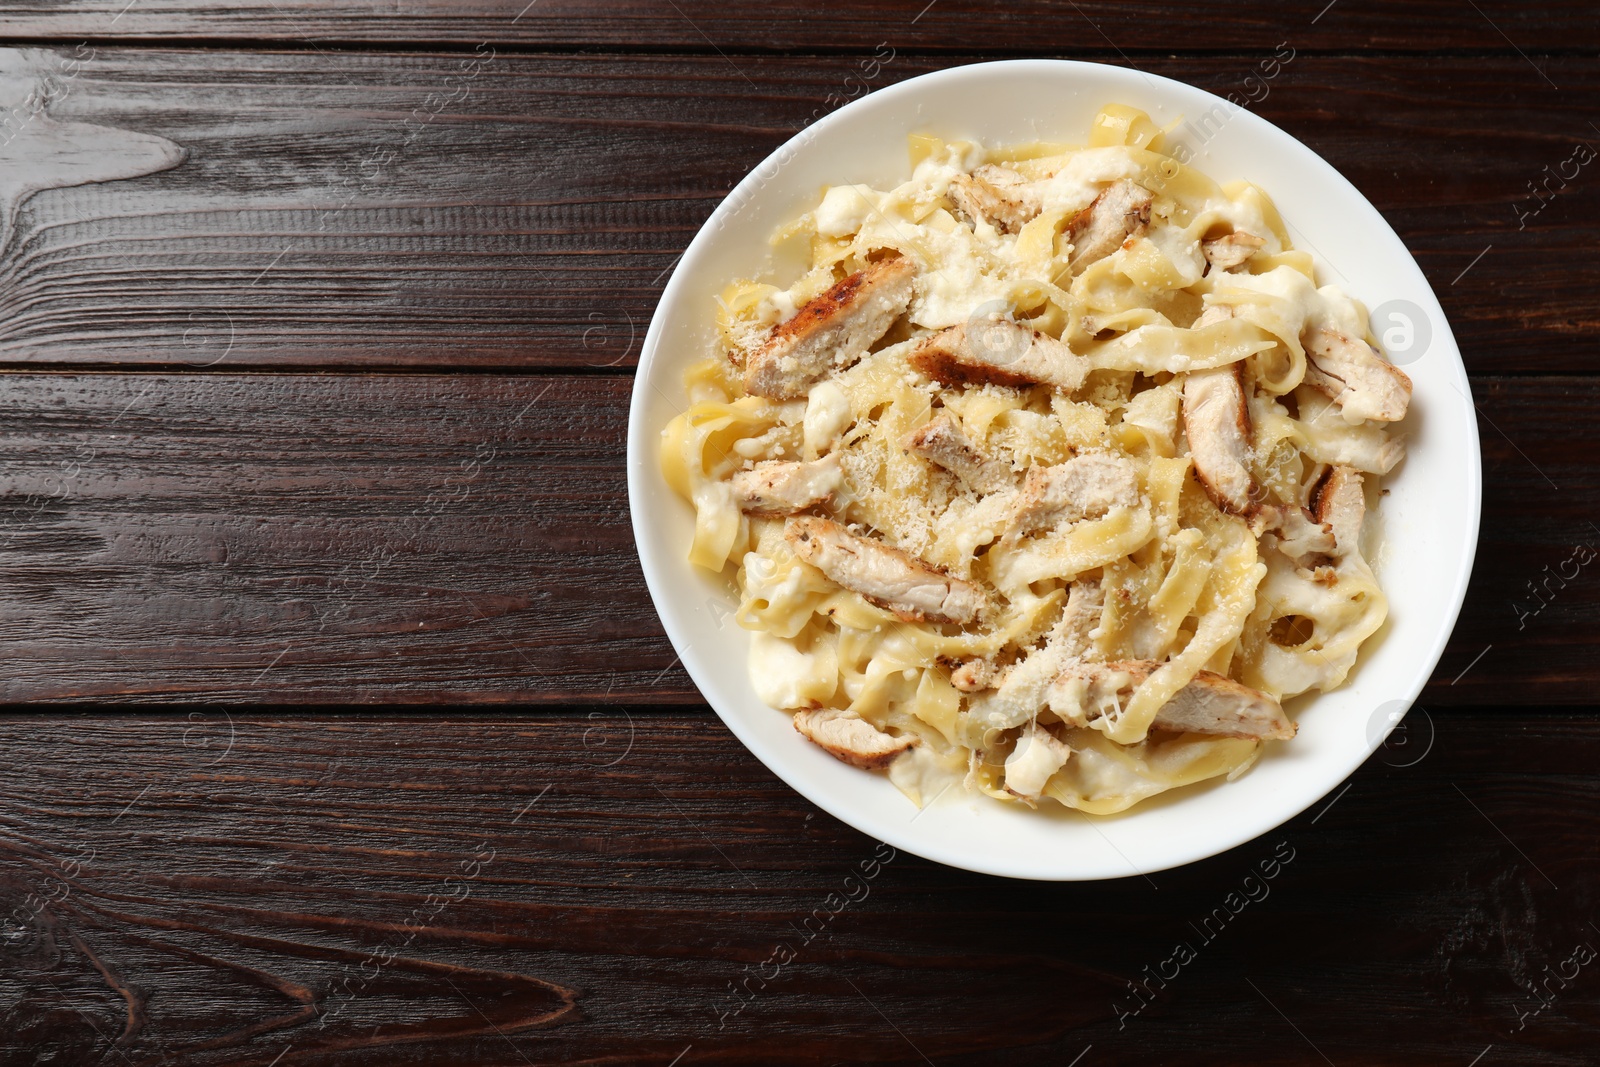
{"points": [[318, 325]]}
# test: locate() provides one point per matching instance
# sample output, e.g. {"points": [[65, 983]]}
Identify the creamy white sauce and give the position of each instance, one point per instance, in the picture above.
{"points": [[1074, 186], [1183, 252], [1313, 308], [1036, 757], [844, 208], [785, 677], [827, 415]]}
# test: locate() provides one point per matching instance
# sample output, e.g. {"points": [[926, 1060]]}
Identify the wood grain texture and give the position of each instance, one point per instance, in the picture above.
{"points": [[322, 538], [500, 210], [604, 875], [438, 538], [1533, 607], [1031, 26], [551, 888]]}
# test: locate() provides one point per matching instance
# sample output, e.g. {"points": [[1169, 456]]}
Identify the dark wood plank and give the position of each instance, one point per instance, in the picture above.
{"points": [[421, 538], [435, 538], [1534, 603], [1032, 27], [523, 210], [482, 891]]}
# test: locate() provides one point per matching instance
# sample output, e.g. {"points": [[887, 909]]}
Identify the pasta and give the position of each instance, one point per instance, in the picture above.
{"points": [[1048, 478]]}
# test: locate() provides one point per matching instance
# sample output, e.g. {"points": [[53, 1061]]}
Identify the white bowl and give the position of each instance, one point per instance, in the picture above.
{"points": [[1429, 522]]}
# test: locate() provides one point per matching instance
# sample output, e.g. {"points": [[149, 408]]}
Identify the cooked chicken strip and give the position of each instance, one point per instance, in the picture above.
{"points": [[1210, 704], [997, 351], [1216, 421], [781, 488], [1338, 502], [1074, 631], [1018, 695], [974, 676], [1038, 755], [1121, 211], [1214, 313], [1356, 376], [1302, 536], [1084, 487], [846, 736], [941, 442], [999, 196], [833, 330], [1226, 253], [913, 589]]}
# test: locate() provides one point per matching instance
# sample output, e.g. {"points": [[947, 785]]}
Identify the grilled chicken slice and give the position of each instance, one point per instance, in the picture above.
{"points": [[848, 737], [1084, 487], [1337, 502], [996, 351], [975, 675], [1018, 691], [1356, 376], [897, 581], [1303, 537], [1210, 704], [1121, 211], [1216, 421], [941, 442], [1038, 755], [1074, 631], [781, 488], [1213, 314], [833, 330], [999, 196], [1226, 253]]}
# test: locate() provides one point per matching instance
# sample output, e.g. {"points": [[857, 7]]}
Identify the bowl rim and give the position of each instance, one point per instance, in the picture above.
{"points": [[643, 463]]}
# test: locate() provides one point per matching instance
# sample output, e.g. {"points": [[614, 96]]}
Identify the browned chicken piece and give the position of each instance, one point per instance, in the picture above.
{"points": [[998, 351], [1303, 537], [941, 442], [1216, 420], [1074, 632], [897, 581], [1020, 687], [974, 676], [782, 488], [832, 331], [1210, 704], [1226, 253], [1121, 211], [1356, 376], [1338, 502], [997, 195], [1084, 487], [848, 737]]}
